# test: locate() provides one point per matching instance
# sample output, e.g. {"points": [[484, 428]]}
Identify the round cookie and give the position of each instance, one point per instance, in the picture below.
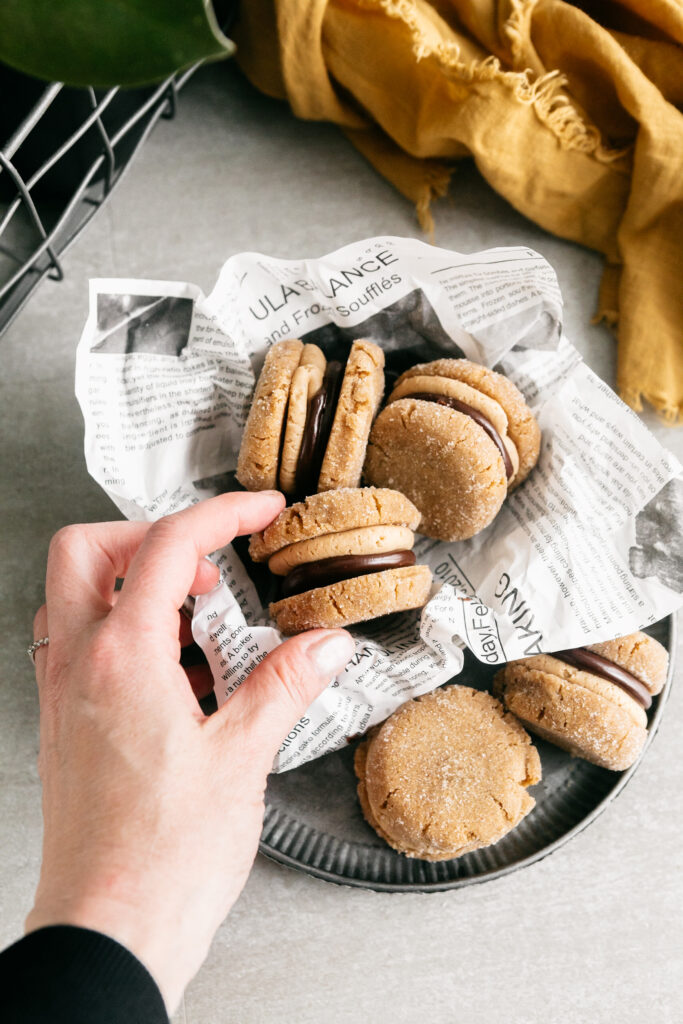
{"points": [[307, 378], [309, 422], [446, 774], [465, 393], [359, 399], [333, 512], [443, 462], [455, 437], [580, 710], [523, 429], [343, 557], [257, 463], [354, 600]]}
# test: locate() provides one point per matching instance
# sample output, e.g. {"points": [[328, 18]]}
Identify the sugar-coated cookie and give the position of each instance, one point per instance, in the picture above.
{"points": [[455, 437], [344, 556], [259, 456], [308, 426], [359, 399], [307, 379], [446, 774], [591, 701]]}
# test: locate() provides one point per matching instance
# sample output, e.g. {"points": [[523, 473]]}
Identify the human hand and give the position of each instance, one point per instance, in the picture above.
{"points": [[152, 812]]}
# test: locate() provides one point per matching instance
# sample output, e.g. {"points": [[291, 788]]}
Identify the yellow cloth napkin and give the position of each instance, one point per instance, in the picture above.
{"points": [[572, 112]]}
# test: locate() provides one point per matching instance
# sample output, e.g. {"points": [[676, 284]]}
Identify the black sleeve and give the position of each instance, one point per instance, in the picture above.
{"points": [[67, 975]]}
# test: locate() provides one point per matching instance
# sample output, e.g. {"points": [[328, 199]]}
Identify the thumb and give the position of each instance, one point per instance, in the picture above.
{"points": [[284, 684]]}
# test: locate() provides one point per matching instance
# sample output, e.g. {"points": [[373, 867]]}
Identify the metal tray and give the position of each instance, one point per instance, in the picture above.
{"points": [[313, 822]]}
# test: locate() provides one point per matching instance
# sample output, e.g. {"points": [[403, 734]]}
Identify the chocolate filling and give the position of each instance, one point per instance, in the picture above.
{"points": [[579, 657], [331, 570], [319, 419], [474, 414]]}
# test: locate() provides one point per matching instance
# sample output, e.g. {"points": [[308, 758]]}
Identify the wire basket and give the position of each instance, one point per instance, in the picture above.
{"points": [[62, 151]]}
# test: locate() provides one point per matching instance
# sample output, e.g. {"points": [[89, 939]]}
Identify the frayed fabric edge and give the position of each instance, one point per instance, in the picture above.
{"points": [[420, 180], [435, 187], [517, 28], [553, 108], [670, 414]]}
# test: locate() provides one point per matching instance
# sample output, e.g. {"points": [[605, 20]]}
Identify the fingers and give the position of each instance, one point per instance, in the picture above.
{"points": [[284, 684], [84, 561], [163, 569], [39, 631], [82, 566]]}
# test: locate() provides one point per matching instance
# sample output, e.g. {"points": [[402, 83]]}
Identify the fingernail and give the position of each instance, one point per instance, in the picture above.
{"points": [[331, 654]]}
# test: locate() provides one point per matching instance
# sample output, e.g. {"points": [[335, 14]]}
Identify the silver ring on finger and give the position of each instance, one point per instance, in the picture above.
{"points": [[31, 650]]}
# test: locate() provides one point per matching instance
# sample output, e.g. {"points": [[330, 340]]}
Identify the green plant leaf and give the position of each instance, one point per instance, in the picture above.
{"points": [[108, 42]]}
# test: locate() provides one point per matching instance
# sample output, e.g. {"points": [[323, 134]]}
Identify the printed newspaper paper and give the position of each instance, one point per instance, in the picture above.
{"points": [[587, 549]]}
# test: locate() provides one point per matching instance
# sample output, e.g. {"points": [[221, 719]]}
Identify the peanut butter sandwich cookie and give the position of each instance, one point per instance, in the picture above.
{"points": [[446, 774], [591, 701], [309, 422], [455, 438], [344, 556]]}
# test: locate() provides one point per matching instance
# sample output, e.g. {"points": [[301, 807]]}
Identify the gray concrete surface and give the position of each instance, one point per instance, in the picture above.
{"points": [[591, 933]]}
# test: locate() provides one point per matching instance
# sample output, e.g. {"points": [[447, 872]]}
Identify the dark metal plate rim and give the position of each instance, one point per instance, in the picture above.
{"points": [[458, 883]]}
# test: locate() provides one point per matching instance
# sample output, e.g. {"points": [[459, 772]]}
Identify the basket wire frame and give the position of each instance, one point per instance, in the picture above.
{"points": [[35, 231]]}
